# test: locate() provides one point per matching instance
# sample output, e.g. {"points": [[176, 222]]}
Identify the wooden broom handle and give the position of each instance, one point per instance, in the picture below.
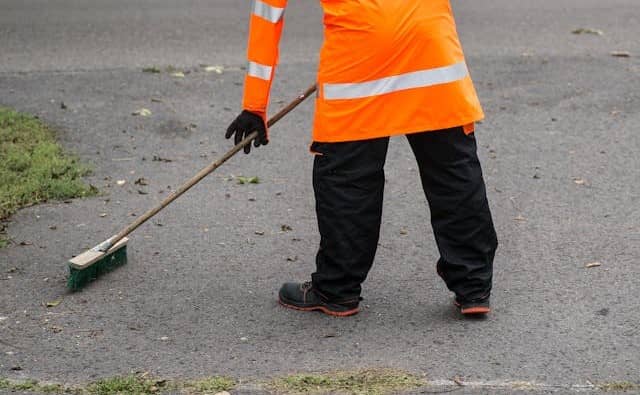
{"points": [[206, 171]]}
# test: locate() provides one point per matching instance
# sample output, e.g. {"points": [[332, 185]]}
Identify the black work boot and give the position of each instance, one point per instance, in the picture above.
{"points": [[474, 307], [302, 296]]}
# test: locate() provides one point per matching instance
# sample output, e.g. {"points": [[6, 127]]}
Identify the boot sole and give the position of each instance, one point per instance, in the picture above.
{"points": [[322, 309], [473, 310]]}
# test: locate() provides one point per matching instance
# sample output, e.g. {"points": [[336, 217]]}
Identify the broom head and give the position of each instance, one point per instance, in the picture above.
{"points": [[87, 266]]}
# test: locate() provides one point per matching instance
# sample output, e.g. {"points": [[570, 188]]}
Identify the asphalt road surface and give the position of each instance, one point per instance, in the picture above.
{"points": [[559, 150]]}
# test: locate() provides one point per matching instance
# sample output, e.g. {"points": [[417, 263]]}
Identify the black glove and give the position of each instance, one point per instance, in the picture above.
{"points": [[245, 124]]}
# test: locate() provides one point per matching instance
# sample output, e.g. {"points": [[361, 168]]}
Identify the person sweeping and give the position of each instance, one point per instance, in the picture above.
{"points": [[387, 67]]}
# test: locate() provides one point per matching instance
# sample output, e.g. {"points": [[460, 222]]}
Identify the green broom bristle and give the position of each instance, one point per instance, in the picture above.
{"points": [[80, 278]]}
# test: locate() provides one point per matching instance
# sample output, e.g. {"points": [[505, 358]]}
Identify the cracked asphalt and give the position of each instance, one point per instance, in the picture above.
{"points": [[559, 150]]}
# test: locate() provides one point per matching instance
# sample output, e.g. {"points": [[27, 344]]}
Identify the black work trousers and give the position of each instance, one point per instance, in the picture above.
{"points": [[348, 180]]}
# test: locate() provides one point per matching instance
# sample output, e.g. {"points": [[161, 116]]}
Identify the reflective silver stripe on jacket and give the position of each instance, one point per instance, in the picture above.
{"points": [[268, 12], [260, 71], [416, 79]]}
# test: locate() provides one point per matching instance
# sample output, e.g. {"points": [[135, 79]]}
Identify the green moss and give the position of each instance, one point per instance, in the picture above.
{"points": [[4, 384], [51, 389], [362, 382], [211, 385], [33, 167], [29, 385], [618, 386], [369, 382]]}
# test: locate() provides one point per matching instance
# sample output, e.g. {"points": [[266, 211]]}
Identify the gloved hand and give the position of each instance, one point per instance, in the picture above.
{"points": [[245, 124]]}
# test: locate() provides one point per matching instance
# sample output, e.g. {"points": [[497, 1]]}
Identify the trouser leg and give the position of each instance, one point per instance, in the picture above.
{"points": [[460, 217], [348, 180]]}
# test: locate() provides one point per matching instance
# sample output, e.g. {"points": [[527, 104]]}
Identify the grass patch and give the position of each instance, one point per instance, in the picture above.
{"points": [[125, 385], [141, 385], [618, 386], [364, 382], [211, 385], [33, 167], [32, 386]]}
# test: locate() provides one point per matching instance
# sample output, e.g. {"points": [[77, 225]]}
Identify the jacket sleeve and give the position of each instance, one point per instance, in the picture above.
{"points": [[265, 29]]}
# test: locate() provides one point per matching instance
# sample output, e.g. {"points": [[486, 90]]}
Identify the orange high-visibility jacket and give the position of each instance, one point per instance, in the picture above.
{"points": [[387, 67]]}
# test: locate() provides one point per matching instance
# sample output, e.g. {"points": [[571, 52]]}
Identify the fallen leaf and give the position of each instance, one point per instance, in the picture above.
{"points": [[285, 228], [54, 303], [141, 181], [214, 69], [248, 180], [403, 231], [102, 215], [26, 243], [587, 30], [592, 264], [121, 182], [143, 112], [157, 158], [621, 54], [55, 329], [152, 69], [292, 258]]}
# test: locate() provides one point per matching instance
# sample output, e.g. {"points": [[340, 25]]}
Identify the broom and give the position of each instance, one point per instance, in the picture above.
{"points": [[112, 252]]}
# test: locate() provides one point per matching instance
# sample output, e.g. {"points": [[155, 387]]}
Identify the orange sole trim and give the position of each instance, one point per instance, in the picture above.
{"points": [[473, 310], [321, 309], [476, 310]]}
